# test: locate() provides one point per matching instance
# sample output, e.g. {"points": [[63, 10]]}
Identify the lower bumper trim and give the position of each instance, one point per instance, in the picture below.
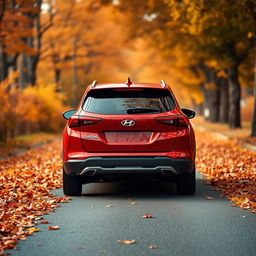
{"points": [[128, 165]]}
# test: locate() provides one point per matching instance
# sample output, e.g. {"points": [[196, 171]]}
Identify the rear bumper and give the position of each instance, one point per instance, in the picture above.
{"points": [[128, 165]]}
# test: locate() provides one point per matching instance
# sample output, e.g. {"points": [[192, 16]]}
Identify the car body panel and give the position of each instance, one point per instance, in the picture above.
{"points": [[146, 138]]}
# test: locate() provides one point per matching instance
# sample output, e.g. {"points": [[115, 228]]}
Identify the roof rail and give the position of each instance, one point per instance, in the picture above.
{"points": [[93, 84], [162, 82]]}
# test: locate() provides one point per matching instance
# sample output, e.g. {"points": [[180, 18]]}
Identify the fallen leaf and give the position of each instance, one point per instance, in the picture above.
{"points": [[153, 247], [133, 203], [39, 218], [244, 216], [209, 197], [53, 227], [126, 241], [11, 241], [109, 206], [44, 222], [33, 229], [147, 215]]}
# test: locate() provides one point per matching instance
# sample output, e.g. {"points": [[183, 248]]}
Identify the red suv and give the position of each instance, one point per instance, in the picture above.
{"points": [[128, 130]]}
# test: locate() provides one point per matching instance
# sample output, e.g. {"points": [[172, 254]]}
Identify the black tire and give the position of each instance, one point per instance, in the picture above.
{"points": [[72, 185], [187, 184]]}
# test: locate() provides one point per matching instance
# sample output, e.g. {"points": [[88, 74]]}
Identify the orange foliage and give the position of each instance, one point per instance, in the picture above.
{"points": [[25, 184], [34, 108], [42, 105], [92, 41], [15, 26], [229, 168]]}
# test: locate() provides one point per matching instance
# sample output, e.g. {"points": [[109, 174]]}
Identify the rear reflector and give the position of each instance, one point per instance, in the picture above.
{"points": [[83, 121], [172, 121]]}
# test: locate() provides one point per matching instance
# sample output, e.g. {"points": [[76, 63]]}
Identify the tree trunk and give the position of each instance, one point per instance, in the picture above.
{"points": [[211, 96], [36, 43], [23, 70], [205, 102], [4, 65], [253, 129], [57, 76], [33, 42], [224, 102], [234, 115], [214, 101]]}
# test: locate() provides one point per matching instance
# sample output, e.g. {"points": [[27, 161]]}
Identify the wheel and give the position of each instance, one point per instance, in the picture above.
{"points": [[72, 185], [187, 184]]}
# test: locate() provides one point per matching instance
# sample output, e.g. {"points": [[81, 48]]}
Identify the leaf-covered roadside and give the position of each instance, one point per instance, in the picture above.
{"points": [[229, 168], [25, 184]]}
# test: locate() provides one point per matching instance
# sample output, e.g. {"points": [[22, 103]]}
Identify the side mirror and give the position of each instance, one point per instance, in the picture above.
{"points": [[189, 113], [69, 113]]}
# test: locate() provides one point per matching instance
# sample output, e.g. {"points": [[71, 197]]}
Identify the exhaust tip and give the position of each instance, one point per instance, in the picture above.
{"points": [[168, 171], [88, 172]]}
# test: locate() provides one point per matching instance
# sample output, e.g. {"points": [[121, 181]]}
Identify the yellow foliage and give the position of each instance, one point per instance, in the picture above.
{"points": [[34, 108], [41, 104]]}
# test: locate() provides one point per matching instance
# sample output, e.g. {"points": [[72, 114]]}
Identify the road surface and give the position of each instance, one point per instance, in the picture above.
{"points": [[182, 225]]}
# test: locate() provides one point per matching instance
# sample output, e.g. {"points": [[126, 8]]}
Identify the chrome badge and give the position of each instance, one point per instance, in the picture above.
{"points": [[128, 122], [91, 137]]}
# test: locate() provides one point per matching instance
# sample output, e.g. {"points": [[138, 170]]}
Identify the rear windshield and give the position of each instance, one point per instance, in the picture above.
{"points": [[123, 102]]}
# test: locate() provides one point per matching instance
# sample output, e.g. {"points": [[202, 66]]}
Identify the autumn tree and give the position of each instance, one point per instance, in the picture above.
{"points": [[82, 45], [216, 31], [20, 37]]}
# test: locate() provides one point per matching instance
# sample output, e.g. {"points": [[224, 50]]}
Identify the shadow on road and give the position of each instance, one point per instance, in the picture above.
{"points": [[141, 189]]}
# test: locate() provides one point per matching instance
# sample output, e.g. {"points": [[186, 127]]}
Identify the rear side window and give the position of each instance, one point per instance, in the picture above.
{"points": [[123, 102]]}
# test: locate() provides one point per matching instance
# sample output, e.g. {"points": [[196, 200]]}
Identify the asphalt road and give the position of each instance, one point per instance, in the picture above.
{"points": [[182, 225]]}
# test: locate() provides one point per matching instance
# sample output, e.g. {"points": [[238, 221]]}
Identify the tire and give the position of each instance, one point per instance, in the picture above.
{"points": [[72, 185], [187, 184]]}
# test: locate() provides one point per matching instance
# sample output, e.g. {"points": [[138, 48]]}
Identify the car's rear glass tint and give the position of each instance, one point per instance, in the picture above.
{"points": [[119, 102]]}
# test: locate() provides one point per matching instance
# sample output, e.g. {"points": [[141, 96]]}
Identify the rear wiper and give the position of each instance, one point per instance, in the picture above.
{"points": [[142, 110]]}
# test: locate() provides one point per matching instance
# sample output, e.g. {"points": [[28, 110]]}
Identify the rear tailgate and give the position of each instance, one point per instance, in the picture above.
{"points": [[127, 120], [145, 135]]}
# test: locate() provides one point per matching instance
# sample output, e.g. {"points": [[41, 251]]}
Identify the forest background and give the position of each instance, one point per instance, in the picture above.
{"points": [[51, 50]]}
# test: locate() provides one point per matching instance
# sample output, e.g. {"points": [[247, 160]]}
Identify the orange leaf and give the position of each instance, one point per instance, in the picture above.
{"points": [[153, 247], [44, 222], [53, 227]]}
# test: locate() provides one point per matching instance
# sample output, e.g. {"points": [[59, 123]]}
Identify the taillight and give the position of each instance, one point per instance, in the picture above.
{"points": [[83, 121], [172, 121]]}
